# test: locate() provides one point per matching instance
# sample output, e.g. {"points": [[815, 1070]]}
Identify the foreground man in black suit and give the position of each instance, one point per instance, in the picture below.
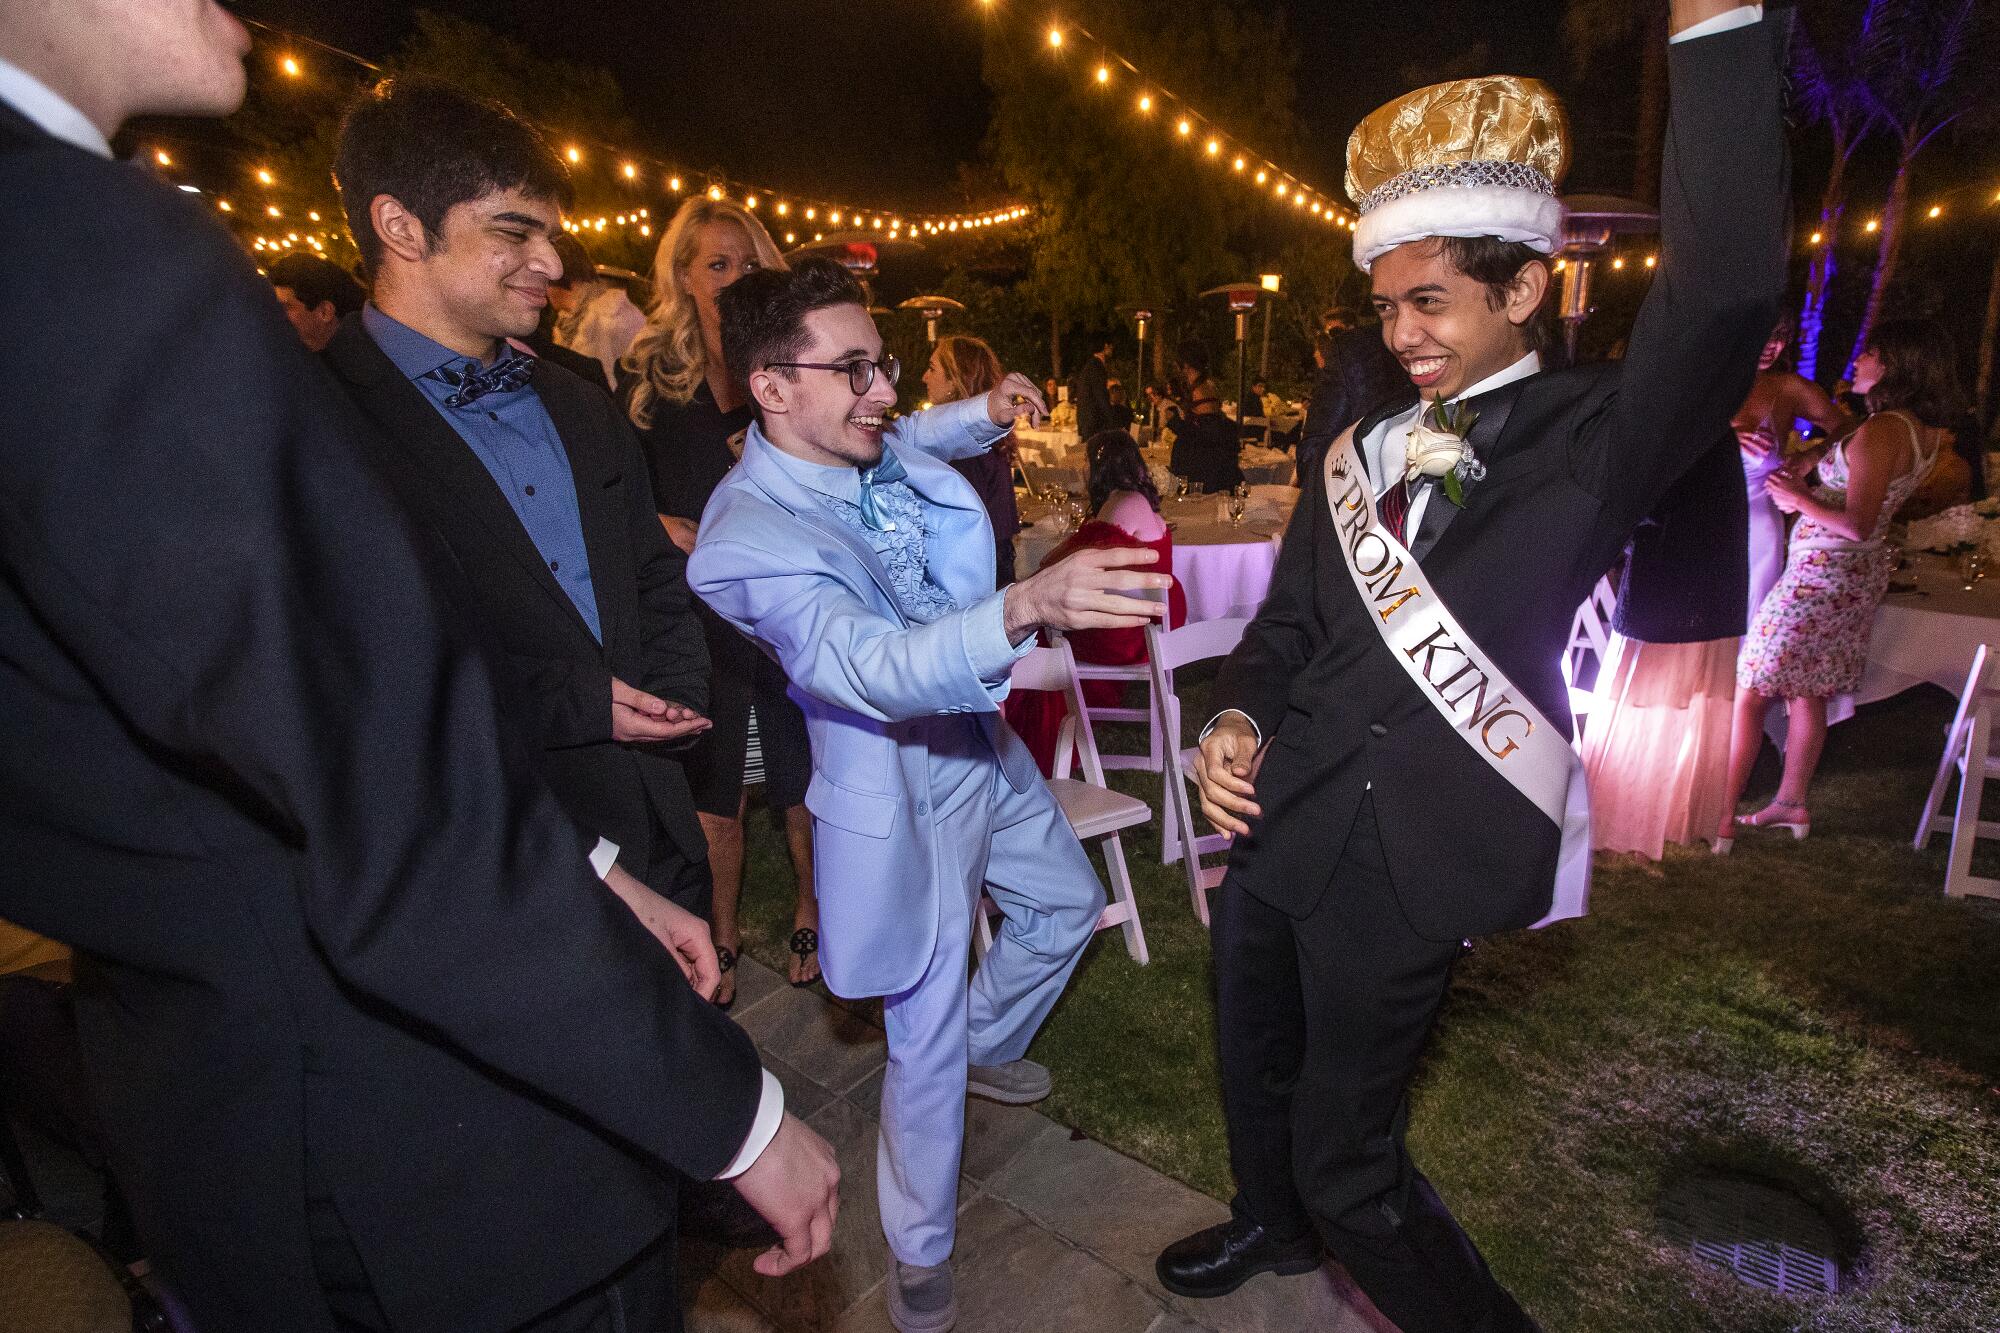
{"points": [[1417, 786], [372, 1045]]}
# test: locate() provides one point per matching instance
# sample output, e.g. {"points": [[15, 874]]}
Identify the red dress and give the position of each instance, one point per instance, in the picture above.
{"points": [[1038, 714]]}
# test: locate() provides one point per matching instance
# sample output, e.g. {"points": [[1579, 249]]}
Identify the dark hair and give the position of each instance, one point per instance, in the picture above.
{"points": [[1497, 263], [764, 312], [1116, 465], [1193, 355], [431, 147], [317, 281], [1919, 372], [575, 260]]}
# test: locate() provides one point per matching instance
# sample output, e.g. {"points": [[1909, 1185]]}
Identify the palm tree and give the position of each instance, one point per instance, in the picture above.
{"points": [[1826, 84], [1923, 67]]}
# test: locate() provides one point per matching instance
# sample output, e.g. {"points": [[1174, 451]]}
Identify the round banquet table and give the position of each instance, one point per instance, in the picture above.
{"points": [[1223, 568]]}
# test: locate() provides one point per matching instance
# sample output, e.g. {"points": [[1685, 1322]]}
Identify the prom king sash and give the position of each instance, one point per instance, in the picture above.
{"points": [[1484, 709]]}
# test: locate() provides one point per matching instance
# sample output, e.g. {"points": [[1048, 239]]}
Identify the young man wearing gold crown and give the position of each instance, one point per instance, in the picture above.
{"points": [[1392, 753]]}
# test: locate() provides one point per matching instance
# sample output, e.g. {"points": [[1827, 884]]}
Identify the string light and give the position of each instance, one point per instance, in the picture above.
{"points": [[291, 66], [674, 184], [1145, 101], [1184, 129], [160, 156], [1104, 73], [264, 177], [631, 172], [1652, 261], [1937, 210], [715, 193], [1055, 38], [1816, 238], [1214, 147], [1873, 226], [573, 153]]}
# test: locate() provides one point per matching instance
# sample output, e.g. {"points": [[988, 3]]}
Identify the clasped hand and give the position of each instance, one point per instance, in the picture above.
{"points": [[639, 716], [1225, 771]]}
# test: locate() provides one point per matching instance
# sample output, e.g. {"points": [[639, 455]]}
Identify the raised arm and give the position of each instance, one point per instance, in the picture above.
{"points": [[1723, 223], [971, 425]]}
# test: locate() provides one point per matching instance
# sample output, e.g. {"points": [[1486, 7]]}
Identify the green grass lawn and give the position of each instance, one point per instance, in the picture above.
{"points": [[1817, 1013]]}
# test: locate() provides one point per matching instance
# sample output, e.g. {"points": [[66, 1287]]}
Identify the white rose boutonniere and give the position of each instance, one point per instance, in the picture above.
{"points": [[1439, 447]]}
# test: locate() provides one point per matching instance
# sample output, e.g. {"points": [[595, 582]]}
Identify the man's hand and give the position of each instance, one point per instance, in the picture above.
{"points": [[680, 531], [639, 716], [1224, 769], [1013, 398], [685, 934], [795, 1186], [1086, 591]]}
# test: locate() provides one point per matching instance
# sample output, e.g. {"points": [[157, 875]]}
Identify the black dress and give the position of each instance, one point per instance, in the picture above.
{"points": [[992, 475], [690, 448]]}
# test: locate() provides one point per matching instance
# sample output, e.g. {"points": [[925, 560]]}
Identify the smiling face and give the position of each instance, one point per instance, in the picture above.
{"points": [[815, 414], [1445, 327], [484, 277], [1774, 347]]}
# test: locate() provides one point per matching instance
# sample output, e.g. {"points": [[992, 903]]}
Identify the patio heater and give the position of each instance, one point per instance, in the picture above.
{"points": [[1590, 221], [933, 308], [1143, 315], [1242, 300]]}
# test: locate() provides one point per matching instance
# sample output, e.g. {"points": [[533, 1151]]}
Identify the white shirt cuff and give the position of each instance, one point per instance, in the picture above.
{"points": [[1741, 17], [987, 648], [1255, 730], [603, 856], [770, 1113]]}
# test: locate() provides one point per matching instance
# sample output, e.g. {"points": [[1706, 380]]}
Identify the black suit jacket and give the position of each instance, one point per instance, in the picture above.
{"points": [[1092, 390], [1574, 459], [332, 925], [1362, 376], [554, 667]]}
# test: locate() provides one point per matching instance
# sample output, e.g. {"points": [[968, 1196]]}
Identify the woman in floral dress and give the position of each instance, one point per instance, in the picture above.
{"points": [[1809, 638]]}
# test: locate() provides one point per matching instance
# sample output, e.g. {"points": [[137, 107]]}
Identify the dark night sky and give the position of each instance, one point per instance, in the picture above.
{"points": [[880, 100]]}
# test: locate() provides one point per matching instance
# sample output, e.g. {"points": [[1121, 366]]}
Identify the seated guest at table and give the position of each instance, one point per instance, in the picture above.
{"points": [[1780, 401], [316, 294], [1656, 741], [1127, 509], [1160, 408], [1121, 417], [1205, 441], [691, 415], [1809, 638], [965, 367]]}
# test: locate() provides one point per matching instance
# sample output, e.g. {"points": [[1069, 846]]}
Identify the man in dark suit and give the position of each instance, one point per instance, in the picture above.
{"points": [[529, 477], [371, 1044], [1091, 391], [1357, 374], [1414, 790]]}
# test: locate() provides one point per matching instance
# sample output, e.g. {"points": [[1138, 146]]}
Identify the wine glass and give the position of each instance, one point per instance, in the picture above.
{"points": [[1239, 504]]}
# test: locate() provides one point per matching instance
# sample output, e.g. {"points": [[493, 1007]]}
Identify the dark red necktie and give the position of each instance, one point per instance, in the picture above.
{"points": [[1394, 508]]}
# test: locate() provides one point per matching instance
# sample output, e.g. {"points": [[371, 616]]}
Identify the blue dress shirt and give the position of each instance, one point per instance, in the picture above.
{"points": [[512, 436]]}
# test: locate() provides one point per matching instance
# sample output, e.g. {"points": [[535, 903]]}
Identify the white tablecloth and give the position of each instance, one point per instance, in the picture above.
{"points": [[1224, 569], [1925, 635]]}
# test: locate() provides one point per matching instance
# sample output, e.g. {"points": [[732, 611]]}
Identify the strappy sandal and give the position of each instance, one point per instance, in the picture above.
{"points": [[805, 943], [725, 963]]}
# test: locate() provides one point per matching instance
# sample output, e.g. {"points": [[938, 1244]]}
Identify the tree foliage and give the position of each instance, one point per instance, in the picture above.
{"points": [[1127, 211]]}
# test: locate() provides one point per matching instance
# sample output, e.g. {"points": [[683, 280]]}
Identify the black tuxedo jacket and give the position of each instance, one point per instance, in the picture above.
{"points": [[1574, 459], [553, 667], [332, 925]]}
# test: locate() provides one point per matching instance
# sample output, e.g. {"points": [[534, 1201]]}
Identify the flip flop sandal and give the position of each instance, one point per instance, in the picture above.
{"points": [[725, 961], [804, 943]]}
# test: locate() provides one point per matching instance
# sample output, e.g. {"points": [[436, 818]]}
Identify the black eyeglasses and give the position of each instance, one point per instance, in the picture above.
{"points": [[860, 371]]}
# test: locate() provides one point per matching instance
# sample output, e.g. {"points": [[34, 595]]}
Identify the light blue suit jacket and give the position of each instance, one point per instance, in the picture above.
{"points": [[774, 562]]}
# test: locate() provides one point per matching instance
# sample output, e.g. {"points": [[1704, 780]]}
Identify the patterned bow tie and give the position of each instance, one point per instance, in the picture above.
{"points": [[472, 383], [890, 469]]}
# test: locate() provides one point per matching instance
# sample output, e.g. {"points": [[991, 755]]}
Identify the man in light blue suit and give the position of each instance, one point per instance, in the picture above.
{"points": [[850, 550]]}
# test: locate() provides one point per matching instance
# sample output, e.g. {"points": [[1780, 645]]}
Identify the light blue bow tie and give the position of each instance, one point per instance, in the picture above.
{"points": [[889, 470]]}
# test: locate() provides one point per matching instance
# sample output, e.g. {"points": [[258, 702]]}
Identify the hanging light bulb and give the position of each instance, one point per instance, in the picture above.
{"points": [[1145, 101]]}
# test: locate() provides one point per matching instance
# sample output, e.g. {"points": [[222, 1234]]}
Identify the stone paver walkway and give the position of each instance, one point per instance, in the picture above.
{"points": [[1056, 1233]]}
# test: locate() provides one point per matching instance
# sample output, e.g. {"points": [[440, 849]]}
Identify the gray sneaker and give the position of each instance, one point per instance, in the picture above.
{"points": [[920, 1299], [1017, 1083]]}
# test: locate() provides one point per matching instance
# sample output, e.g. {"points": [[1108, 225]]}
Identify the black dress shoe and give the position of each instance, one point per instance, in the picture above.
{"points": [[1217, 1261]]}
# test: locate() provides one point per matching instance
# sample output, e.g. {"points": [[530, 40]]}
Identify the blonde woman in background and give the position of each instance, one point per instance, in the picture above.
{"points": [[964, 367], [691, 417]]}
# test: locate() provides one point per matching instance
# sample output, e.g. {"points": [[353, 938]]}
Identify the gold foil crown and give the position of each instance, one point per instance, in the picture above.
{"points": [[1497, 129]]}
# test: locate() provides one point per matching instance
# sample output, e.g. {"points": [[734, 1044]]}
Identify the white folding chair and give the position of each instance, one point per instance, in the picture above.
{"points": [[1166, 652], [1140, 672], [1589, 634], [1968, 750], [1093, 810]]}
